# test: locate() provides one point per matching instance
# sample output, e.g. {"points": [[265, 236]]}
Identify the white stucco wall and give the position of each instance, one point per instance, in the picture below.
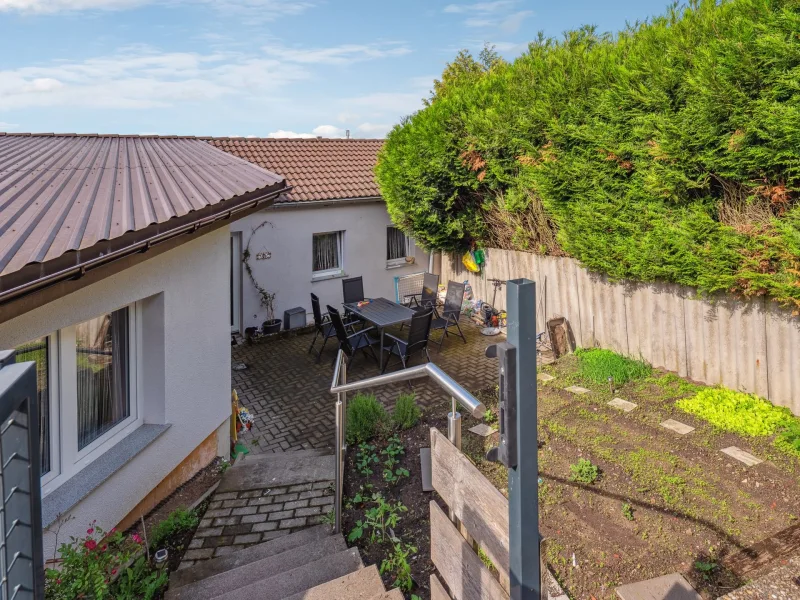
{"points": [[289, 240], [187, 381]]}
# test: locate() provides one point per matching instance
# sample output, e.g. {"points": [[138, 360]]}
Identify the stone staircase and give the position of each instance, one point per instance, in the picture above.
{"points": [[311, 564], [263, 538]]}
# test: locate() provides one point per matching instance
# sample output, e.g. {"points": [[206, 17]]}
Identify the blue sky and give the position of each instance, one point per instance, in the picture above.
{"points": [[255, 67]]}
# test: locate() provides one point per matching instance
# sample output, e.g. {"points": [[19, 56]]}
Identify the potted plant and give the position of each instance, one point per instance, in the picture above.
{"points": [[271, 325]]}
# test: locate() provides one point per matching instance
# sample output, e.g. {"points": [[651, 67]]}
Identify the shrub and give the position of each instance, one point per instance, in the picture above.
{"points": [[666, 152], [366, 417], [598, 365], [179, 521], [584, 471], [88, 565], [736, 411], [746, 414], [406, 412]]}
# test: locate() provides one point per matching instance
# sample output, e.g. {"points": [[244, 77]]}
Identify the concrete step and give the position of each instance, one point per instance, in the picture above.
{"points": [[364, 584], [394, 594], [253, 572], [286, 584], [248, 555], [277, 470], [247, 459]]}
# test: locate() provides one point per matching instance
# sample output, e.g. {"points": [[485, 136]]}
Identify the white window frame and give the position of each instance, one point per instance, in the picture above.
{"points": [[236, 280], [395, 263], [66, 460], [329, 273]]}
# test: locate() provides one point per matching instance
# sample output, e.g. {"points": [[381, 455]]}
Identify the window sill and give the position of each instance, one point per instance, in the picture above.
{"points": [[398, 263], [83, 483], [326, 276]]}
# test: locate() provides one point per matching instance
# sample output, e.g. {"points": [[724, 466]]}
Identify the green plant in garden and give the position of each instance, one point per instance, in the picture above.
{"points": [[627, 511], [614, 149], [584, 471], [597, 364], [397, 564], [140, 581], [88, 565], [365, 457], [746, 414], [178, 521], [377, 519], [489, 417], [406, 412], [392, 452], [329, 518], [485, 558], [366, 418]]}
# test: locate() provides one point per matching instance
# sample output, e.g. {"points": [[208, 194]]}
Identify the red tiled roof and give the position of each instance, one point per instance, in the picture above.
{"points": [[66, 193], [318, 169]]}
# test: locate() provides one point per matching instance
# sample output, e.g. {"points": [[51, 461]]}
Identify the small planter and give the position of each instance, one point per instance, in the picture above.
{"points": [[272, 326]]}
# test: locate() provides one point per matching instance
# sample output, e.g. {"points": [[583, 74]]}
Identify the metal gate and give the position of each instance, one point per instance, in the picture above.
{"points": [[21, 552]]}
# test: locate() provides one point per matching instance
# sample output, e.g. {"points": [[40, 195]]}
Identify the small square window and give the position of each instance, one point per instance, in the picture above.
{"points": [[327, 254], [398, 247]]}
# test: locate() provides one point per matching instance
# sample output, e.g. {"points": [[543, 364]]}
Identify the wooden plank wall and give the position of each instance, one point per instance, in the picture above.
{"points": [[752, 346], [483, 513]]}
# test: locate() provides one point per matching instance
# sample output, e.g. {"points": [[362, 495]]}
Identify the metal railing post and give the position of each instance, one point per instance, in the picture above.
{"points": [[523, 485], [341, 436], [454, 435]]}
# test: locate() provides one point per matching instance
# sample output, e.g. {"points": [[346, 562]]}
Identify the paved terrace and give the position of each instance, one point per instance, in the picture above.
{"points": [[288, 391]]}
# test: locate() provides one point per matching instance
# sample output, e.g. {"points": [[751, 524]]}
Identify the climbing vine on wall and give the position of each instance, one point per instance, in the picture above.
{"points": [[266, 298]]}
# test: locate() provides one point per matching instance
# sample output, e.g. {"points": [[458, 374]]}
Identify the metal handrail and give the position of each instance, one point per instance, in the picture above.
{"points": [[340, 387]]}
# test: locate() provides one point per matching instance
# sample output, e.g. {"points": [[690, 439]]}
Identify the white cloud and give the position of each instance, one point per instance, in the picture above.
{"points": [[481, 7], [264, 10], [497, 15], [142, 77], [395, 103], [325, 131], [377, 130], [336, 55]]}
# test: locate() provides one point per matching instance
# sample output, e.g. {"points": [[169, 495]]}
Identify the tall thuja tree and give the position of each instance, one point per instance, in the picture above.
{"points": [[669, 151]]}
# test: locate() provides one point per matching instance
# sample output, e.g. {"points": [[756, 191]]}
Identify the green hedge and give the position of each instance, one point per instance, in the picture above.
{"points": [[670, 151]]}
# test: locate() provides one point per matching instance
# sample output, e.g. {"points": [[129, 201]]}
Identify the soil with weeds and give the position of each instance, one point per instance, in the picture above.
{"points": [[414, 525], [663, 503]]}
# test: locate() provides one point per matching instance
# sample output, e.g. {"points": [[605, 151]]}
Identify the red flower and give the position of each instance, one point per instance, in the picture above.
{"points": [[136, 538], [90, 544], [90, 531], [103, 547], [113, 571]]}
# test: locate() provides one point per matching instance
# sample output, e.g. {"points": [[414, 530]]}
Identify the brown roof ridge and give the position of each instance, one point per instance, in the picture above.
{"points": [[185, 137]]}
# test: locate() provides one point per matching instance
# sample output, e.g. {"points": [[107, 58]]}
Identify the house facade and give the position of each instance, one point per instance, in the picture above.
{"points": [[331, 225], [115, 279]]}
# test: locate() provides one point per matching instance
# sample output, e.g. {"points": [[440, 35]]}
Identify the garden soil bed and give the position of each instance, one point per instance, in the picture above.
{"points": [[688, 506]]}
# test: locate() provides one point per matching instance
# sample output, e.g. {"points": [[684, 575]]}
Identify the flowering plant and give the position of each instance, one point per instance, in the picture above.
{"points": [[89, 564]]}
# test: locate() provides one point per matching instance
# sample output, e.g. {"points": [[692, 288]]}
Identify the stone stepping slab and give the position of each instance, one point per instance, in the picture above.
{"points": [[482, 429], [742, 456], [677, 426], [668, 587], [576, 389], [545, 377], [623, 405]]}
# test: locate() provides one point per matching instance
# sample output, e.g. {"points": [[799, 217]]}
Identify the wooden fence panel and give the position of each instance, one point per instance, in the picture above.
{"points": [[459, 565], [480, 507], [437, 589]]}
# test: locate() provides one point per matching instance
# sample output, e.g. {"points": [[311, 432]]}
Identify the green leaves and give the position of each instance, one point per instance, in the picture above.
{"points": [[668, 152]]}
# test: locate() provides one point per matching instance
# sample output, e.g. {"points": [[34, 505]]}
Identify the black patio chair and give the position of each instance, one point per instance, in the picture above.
{"points": [[417, 340], [451, 312], [351, 343], [324, 327], [353, 289], [430, 291]]}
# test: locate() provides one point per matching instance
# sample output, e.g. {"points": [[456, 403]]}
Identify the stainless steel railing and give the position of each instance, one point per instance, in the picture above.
{"points": [[340, 387]]}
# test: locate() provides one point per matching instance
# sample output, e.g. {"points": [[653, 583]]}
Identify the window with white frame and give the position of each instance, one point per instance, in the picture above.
{"points": [[86, 384], [399, 246], [327, 254]]}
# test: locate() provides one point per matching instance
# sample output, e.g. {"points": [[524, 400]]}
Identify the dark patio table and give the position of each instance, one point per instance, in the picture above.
{"points": [[381, 313]]}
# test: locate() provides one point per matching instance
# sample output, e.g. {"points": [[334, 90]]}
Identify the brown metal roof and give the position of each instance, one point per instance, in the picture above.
{"points": [[317, 169], [62, 193]]}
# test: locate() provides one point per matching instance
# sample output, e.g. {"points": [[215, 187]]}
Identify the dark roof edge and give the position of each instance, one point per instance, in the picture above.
{"points": [[282, 204], [74, 264]]}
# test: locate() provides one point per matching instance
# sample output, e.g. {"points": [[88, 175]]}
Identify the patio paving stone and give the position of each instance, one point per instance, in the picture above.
{"points": [[742, 456], [622, 405], [576, 389]]}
